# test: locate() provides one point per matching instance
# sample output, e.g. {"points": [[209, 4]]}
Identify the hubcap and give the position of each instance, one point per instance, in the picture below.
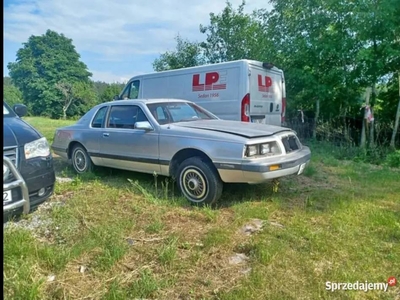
{"points": [[194, 184], [80, 160]]}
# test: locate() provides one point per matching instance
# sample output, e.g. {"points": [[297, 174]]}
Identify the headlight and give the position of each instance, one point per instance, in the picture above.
{"points": [[38, 148], [270, 149], [265, 149], [6, 171], [252, 150]]}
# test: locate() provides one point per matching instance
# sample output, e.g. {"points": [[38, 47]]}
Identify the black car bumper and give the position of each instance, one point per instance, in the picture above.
{"points": [[38, 179], [38, 174]]}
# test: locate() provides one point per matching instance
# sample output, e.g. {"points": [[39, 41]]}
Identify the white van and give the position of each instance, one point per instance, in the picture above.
{"points": [[241, 90]]}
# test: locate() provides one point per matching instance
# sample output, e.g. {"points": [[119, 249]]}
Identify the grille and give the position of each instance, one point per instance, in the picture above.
{"points": [[11, 153], [290, 143]]}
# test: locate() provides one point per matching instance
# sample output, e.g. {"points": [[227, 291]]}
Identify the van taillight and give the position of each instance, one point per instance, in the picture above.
{"points": [[283, 109], [245, 112]]}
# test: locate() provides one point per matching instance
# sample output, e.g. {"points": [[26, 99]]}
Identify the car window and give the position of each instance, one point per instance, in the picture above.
{"points": [[160, 114], [99, 117], [125, 116], [170, 112]]}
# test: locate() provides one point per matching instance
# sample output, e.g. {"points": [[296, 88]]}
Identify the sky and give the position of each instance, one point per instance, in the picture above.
{"points": [[116, 39]]}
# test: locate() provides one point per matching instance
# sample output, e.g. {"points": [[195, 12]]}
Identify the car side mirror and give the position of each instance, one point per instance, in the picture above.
{"points": [[145, 125], [20, 109], [116, 97]]}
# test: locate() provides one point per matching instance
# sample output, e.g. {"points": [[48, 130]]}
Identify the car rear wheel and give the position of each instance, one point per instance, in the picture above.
{"points": [[198, 181], [81, 160]]}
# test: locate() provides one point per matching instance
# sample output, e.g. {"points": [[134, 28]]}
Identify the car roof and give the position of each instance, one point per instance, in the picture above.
{"points": [[146, 101]]}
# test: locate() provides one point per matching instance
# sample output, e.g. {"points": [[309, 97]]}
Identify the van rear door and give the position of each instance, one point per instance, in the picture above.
{"points": [[266, 92]]}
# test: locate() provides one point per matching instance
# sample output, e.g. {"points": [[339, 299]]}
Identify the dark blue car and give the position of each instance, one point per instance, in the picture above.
{"points": [[28, 172]]}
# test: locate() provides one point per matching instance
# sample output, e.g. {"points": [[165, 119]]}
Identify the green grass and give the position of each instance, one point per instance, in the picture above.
{"points": [[47, 126], [339, 222]]}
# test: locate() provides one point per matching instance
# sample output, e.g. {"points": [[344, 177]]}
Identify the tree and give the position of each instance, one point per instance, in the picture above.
{"points": [[187, 54], [377, 27], [75, 92], [330, 51], [7, 81], [42, 63], [389, 100], [233, 34], [99, 88], [317, 50], [396, 122], [11, 94], [110, 92]]}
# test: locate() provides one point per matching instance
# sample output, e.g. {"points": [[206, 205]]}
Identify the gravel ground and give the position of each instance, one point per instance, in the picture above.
{"points": [[39, 219]]}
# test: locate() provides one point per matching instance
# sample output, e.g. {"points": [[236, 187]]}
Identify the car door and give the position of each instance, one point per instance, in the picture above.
{"points": [[124, 147], [93, 135]]}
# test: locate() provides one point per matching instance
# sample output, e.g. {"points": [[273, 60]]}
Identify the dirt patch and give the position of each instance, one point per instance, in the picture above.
{"points": [[78, 279], [63, 179]]}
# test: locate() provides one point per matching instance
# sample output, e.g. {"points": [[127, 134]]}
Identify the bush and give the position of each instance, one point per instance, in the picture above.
{"points": [[376, 155], [393, 159]]}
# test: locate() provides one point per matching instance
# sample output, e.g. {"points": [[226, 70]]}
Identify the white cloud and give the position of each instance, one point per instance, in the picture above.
{"points": [[111, 77], [114, 29]]}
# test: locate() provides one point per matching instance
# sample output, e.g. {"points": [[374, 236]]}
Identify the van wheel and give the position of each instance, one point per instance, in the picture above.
{"points": [[81, 160], [198, 181]]}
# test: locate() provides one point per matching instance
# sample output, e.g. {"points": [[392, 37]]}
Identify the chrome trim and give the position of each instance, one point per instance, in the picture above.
{"points": [[17, 182], [15, 152]]}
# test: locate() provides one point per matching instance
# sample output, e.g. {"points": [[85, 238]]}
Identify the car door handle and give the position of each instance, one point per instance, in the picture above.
{"points": [[106, 134]]}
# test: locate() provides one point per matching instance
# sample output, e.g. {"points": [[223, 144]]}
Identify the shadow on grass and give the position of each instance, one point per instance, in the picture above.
{"points": [[294, 192], [319, 189]]}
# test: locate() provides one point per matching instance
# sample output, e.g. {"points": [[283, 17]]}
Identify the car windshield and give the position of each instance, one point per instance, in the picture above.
{"points": [[172, 112]]}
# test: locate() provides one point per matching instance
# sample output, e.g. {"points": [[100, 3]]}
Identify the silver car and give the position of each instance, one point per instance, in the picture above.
{"points": [[180, 139]]}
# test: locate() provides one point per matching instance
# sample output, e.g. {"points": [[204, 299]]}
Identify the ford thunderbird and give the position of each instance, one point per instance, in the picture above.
{"points": [[180, 139]]}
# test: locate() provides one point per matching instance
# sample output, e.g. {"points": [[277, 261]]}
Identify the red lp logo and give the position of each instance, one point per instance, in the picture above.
{"points": [[264, 84], [210, 81]]}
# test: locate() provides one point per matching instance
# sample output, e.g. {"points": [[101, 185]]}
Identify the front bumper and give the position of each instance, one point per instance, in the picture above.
{"points": [[258, 171], [18, 182], [39, 174], [31, 184]]}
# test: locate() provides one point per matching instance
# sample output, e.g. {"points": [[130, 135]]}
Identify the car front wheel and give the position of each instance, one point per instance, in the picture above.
{"points": [[199, 181], [81, 160]]}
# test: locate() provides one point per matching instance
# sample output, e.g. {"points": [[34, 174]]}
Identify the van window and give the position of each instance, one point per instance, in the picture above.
{"points": [[134, 92], [99, 117], [131, 91]]}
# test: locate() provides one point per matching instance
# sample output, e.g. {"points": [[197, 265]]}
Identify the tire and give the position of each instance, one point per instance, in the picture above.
{"points": [[198, 181], [81, 160]]}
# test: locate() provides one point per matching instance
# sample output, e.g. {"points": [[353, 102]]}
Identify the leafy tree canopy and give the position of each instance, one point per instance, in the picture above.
{"points": [[186, 54], [42, 63]]}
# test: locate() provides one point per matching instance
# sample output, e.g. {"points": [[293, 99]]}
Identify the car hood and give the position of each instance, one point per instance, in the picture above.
{"points": [[17, 133], [243, 129]]}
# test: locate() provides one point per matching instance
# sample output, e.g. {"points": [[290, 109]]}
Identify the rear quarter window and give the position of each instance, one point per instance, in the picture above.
{"points": [[98, 119]]}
